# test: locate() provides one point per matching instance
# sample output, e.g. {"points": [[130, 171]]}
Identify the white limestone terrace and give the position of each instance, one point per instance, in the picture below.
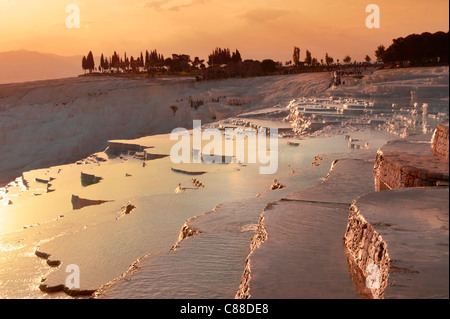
{"points": [[410, 162], [411, 227], [297, 250], [54, 122], [403, 231], [206, 262], [417, 84], [104, 240]]}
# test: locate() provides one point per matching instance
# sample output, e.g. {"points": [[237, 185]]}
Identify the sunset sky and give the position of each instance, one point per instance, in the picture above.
{"points": [[258, 28]]}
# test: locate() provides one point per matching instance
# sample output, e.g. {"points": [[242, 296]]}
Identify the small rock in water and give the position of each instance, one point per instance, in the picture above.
{"points": [[293, 143], [316, 161], [126, 209]]}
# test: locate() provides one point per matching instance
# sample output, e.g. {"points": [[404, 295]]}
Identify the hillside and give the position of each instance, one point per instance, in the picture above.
{"points": [[24, 65]]}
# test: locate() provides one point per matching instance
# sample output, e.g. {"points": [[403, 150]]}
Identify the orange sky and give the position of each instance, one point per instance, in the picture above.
{"points": [[258, 28]]}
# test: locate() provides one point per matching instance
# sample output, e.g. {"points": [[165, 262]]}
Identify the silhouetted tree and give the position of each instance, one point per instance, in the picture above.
{"points": [[296, 56], [268, 66], [328, 60], [236, 57], [115, 61], [102, 60], [223, 56], [347, 59], [197, 63], [418, 49], [125, 63], [308, 58], [380, 52], [154, 59], [147, 59], [104, 65], [84, 64], [178, 62], [90, 64]]}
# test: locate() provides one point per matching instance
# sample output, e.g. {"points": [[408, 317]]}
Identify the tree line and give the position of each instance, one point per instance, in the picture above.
{"points": [[124, 63], [413, 50], [416, 50], [315, 62], [224, 56], [152, 61]]}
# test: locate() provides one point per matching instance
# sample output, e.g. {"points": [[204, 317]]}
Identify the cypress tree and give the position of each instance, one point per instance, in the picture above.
{"points": [[90, 64]]}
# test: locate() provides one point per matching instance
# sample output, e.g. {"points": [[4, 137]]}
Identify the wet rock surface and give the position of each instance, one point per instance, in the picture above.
{"points": [[115, 148], [395, 243], [285, 259], [405, 233], [89, 179], [78, 203], [402, 232]]}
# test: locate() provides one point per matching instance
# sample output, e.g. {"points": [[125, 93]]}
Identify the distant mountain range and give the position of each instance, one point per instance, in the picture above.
{"points": [[24, 65]]}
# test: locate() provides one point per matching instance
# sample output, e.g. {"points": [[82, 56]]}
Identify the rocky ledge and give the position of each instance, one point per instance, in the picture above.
{"points": [[411, 162], [440, 140], [400, 239], [115, 148], [286, 260], [395, 243]]}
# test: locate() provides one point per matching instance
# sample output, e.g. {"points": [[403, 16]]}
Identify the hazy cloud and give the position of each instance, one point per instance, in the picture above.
{"points": [[155, 4], [263, 15], [173, 5]]}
